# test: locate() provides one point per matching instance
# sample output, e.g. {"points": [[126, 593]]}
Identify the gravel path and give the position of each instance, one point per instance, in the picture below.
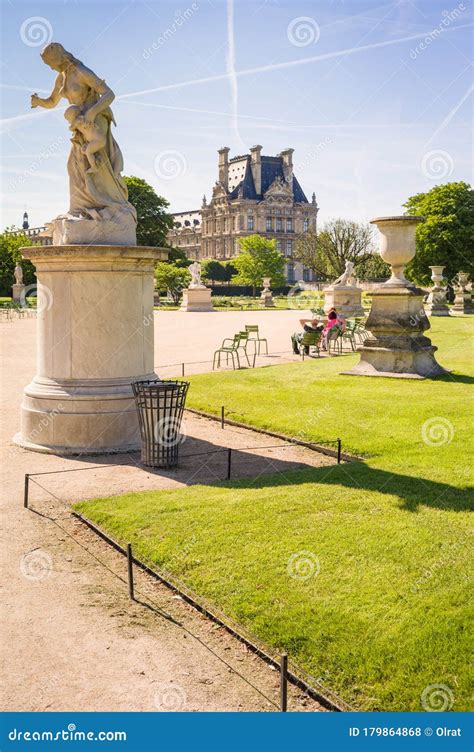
{"points": [[72, 639]]}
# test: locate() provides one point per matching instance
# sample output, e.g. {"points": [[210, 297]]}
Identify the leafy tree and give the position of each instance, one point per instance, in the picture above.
{"points": [[172, 278], [308, 252], [9, 255], [446, 237], [258, 258], [178, 257], [217, 271], [343, 240], [373, 268], [153, 221]]}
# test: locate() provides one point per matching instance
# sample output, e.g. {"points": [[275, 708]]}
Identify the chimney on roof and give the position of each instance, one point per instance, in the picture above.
{"points": [[256, 167], [287, 157], [224, 166]]}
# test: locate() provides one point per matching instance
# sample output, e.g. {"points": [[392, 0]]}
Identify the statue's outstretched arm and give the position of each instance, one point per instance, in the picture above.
{"points": [[53, 98]]}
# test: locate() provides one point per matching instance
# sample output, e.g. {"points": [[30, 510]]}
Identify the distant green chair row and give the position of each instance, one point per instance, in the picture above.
{"points": [[231, 345]]}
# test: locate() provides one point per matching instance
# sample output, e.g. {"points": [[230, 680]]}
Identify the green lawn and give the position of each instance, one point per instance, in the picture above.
{"points": [[386, 614]]}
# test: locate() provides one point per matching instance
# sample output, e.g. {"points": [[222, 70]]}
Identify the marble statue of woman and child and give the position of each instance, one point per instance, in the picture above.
{"points": [[99, 210]]}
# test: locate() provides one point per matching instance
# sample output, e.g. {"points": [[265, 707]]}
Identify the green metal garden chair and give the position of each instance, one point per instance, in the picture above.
{"points": [[230, 346], [308, 340], [334, 340], [243, 343], [252, 329]]}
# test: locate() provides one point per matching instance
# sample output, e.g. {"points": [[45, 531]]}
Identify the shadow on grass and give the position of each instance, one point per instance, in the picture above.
{"points": [[413, 492]]}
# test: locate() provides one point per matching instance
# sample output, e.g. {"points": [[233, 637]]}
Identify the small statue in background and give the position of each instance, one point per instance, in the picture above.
{"points": [[18, 274], [346, 276], [195, 270]]}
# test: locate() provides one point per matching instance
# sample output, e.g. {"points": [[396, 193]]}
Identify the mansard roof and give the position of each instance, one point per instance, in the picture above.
{"points": [[272, 168]]}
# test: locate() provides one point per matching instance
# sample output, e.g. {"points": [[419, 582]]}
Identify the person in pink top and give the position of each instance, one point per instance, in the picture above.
{"points": [[333, 319]]}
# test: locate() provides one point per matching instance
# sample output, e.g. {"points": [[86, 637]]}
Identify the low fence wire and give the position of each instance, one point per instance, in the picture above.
{"points": [[290, 670]]}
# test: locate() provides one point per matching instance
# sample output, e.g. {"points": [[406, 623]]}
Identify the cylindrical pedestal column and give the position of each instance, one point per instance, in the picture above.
{"points": [[95, 336]]}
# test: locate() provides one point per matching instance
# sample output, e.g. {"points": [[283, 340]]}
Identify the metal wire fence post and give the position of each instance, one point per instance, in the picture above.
{"points": [[229, 463], [222, 416], [25, 494], [283, 682], [339, 447], [131, 589]]}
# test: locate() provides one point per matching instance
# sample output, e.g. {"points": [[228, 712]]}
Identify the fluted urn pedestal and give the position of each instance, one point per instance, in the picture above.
{"points": [[397, 346], [95, 336], [463, 300]]}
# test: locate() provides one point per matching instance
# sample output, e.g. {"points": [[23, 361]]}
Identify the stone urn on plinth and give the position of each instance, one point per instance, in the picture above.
{"points": [[436, 303], [462, 300], [196, 297], [266, 295], [397, 346]]}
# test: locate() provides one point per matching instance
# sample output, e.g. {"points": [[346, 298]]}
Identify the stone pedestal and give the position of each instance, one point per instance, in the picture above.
{"points": [[18, 292], [462, 302], [95, 336], [197, 299], [346, 299], [436, 304], [397, 346]]}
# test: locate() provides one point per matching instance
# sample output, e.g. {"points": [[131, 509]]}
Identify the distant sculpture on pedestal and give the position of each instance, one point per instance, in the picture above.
{"points": [[462, 300], [344, 295], [397, 321], [99, 210], [266, 295], [436, 303], [197, 297], [195, 271], [18, 287]]}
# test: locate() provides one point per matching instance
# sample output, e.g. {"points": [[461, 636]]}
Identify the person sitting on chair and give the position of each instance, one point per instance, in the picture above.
{"points": [[333, 319], [309, 325]]}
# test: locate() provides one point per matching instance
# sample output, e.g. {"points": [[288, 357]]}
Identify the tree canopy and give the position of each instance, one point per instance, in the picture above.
{"points": [[153, 221], [446, 237], [258, 257], [9, 255], [342, 240], [217, 271], [172, 279]]}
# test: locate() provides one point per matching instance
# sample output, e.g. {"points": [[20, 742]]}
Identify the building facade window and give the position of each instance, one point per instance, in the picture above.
{"points": [[290, 272], [279, 224], [305, 224], [269, 224], [289, 248], [289, 224], [250, 222], [306, 275], [279, 245]]}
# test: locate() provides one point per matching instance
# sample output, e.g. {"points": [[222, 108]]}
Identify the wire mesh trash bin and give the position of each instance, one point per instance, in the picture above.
{"points": [[160, 406]]}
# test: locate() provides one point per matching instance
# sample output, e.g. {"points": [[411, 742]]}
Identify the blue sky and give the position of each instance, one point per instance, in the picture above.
{"points": [[375, 98]]}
